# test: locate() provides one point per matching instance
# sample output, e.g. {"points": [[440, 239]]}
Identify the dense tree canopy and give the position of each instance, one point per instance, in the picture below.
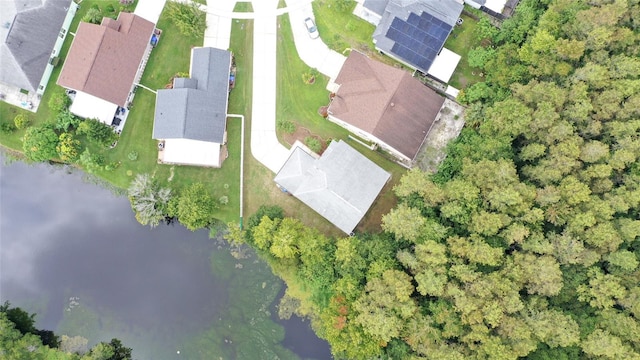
{"points": [[526, 242]]}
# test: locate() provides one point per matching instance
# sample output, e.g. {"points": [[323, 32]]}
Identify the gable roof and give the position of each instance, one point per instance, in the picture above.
{"points": [[29, 30], [385, 102], [196, 108], [341, 185], [104, 59], [415, 31]]}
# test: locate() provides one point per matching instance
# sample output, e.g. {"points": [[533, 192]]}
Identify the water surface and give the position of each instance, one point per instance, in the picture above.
{"points": [[73, 252]]}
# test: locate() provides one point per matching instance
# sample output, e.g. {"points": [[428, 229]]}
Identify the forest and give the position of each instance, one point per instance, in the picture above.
{"points": [[20, 339], [526, 242]]}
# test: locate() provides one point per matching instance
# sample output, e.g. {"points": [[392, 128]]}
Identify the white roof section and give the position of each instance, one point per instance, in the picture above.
{"points": [[444, 65], [90, 107], [495, 5], [191, 152], [452, 91], [149, 9]]}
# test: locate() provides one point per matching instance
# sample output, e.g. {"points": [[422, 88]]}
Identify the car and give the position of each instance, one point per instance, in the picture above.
{"points": [[311, 28]]}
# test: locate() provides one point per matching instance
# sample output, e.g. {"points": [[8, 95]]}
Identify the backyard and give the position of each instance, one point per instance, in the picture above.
{"points": [[461, 40]]}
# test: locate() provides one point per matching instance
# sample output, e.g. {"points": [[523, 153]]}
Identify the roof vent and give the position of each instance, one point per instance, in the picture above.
{"points": [[392, 104], [6, 25]]}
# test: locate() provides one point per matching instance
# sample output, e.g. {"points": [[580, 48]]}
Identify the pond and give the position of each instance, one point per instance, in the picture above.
{"points": [[72, 252]]}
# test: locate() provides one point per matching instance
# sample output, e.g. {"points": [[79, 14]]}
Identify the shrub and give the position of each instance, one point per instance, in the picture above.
{"points": [[97, 132], [21, 121], [109, 8], [287, 126], [133, 155], [93, 15], [59, 101], [7, 128], [313, 144], [223, 200]]}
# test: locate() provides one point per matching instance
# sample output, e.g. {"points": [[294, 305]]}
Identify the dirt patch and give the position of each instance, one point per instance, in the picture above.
{"points": [[447, 127]]}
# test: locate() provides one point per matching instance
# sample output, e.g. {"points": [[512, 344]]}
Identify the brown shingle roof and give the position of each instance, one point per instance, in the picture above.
{"points": [[386, 102], [103, 59]]}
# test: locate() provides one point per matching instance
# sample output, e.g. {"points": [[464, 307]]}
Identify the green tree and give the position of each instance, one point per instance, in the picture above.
{"points": [[68, 147], [193, 207], [405, 222], [190, 20], [97, 132], [386, 305], [39, 143], [149, 201], [65, 120]]}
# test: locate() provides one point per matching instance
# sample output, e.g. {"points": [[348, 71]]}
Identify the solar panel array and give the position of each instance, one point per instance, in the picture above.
{"points": [[418, 39]]}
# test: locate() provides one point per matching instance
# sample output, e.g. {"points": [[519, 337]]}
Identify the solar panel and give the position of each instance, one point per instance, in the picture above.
{"points": [[413, 19], [418, 39]]}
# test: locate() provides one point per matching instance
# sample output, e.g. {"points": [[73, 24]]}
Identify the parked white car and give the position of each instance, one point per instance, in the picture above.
{"points": [[311, 28]]}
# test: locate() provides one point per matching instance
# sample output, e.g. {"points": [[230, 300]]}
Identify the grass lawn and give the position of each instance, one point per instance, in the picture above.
{"points": [[297, 101], [461, 40], [342, 30]]}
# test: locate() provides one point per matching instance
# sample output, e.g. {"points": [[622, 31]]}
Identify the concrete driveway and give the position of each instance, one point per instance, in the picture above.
{"points": [[265, 146], [218, 32], [313, 52]]}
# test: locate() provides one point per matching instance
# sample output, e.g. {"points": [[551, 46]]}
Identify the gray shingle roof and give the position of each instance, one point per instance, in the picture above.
{"points": [[196, 108], [29, 30], [341, 185]]}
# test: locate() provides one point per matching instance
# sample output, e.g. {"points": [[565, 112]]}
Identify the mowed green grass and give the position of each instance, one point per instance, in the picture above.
{"points": [[341, 30], [297, 101], [461, 40]]}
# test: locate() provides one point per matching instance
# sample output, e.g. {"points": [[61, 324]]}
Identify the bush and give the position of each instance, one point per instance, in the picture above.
{"points": [[287, 126], [21, 121], [93, 15], [313, 144], [7, 128], [59, 101], [109, 8], [223, 200], [133, 155], [97, 132], [190, 20]]}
